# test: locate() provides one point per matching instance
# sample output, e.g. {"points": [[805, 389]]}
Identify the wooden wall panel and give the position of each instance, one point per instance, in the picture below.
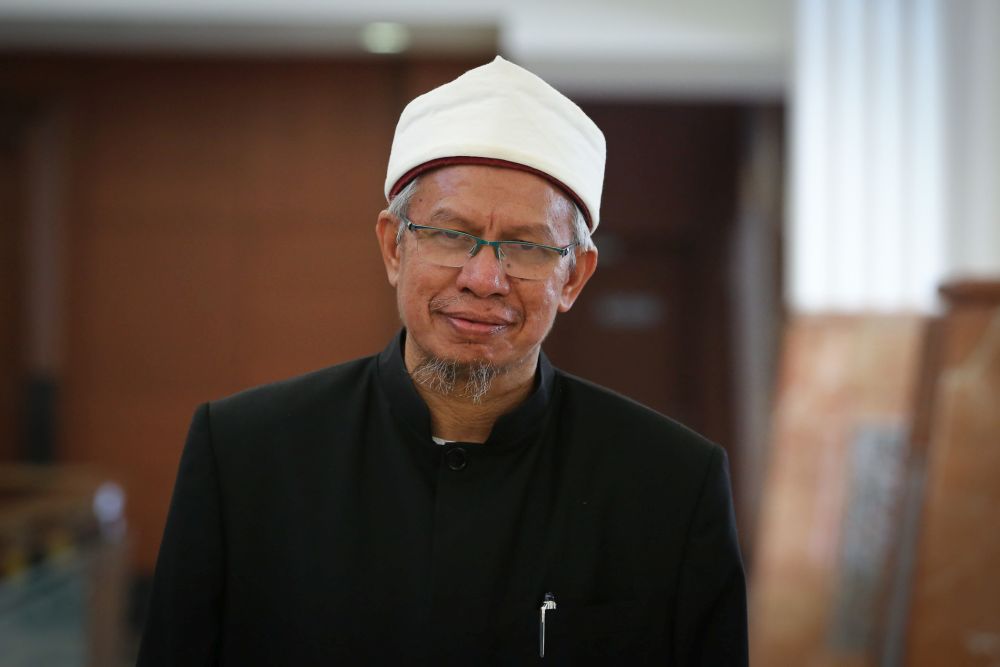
{"points": [[220, 222], [221, 234]]}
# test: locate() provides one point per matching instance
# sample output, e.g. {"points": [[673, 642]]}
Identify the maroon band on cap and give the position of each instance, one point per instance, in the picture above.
{"points": [[489, 162]]}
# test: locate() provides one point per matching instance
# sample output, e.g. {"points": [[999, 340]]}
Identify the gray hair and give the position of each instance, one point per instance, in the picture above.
{"points": [[399, 208]]}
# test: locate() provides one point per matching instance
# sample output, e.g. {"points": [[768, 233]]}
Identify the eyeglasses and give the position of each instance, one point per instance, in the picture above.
{"points": [[519, 259]]}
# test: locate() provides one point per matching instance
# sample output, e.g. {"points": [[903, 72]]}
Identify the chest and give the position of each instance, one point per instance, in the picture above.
{"points": [[385, 532]]}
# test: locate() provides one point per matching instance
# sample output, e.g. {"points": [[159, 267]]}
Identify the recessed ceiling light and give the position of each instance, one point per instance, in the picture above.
{"points": [[384, 37]]}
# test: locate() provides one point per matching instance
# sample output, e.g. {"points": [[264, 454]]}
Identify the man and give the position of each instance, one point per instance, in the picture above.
{"points": [[456, 499]]}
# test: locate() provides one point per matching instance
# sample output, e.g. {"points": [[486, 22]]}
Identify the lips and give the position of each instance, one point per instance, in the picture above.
{"points": [[478, 318], [472, 324]]}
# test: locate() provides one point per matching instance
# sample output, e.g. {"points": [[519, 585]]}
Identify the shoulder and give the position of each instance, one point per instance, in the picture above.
{"points": [[296, 398], [622, 449], [629, 429]]}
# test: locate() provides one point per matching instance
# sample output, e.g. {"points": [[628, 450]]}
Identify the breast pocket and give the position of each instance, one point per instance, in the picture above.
{"points": [[601, 633]]}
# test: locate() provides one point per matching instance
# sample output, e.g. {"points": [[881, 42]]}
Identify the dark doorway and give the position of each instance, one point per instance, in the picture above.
{"points": [[655, 323]]}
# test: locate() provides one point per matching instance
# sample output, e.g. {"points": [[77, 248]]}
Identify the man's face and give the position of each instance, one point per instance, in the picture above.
{"points": [[477, 313]]}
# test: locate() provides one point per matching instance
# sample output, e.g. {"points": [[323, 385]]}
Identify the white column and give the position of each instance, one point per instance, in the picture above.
{"points": [[895, 152], [973, 89]]}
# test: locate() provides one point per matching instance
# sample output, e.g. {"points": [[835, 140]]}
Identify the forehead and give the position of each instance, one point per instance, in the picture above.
{"points": [[492, 199]]}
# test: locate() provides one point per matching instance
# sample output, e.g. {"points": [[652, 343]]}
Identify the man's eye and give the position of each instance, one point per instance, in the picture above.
{"points": [[445, 234], [525, 248]]}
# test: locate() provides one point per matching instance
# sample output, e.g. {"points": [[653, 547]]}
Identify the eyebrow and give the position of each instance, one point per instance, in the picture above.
{"points": [[533, 230], [446, 215]]}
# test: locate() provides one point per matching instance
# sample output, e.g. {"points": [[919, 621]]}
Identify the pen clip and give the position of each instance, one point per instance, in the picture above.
{"points": [[548, 603]]}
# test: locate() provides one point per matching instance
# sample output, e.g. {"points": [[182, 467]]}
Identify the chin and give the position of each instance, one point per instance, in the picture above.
{"points": [[468, 352], [461, 351]]}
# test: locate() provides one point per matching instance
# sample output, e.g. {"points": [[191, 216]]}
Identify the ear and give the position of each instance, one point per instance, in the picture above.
{"points": [[385, 231], [586, 263]]}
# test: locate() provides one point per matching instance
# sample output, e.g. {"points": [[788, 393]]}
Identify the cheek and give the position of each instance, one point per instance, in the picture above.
{"points": [[414, 290], [406, 294], [540, 307]]}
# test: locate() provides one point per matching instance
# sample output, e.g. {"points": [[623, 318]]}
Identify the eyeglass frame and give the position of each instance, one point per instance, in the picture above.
{"points": [[496, 245]]}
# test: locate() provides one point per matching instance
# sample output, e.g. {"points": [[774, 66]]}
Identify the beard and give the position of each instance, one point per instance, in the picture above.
{"points": [[470, 380]]}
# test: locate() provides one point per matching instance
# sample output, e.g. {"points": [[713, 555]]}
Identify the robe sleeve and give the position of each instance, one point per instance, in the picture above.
{"points": [[183, 620], [711, 627]]}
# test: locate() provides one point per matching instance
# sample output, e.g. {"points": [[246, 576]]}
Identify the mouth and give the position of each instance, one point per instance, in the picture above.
{"points": [[476, 323]]}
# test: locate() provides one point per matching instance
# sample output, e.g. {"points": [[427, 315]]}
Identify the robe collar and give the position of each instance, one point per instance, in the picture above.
{"points": [[510, 429]]}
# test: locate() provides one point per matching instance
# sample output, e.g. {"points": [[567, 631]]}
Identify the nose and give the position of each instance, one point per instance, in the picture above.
{"points": [[482, 274]]}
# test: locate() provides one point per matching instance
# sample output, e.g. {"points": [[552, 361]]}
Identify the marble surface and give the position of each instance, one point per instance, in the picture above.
{"points": [[955, 612], [840, 377]]}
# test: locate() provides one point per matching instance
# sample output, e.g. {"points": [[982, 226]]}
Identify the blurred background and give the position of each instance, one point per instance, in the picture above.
{"points": [[800, 258]]}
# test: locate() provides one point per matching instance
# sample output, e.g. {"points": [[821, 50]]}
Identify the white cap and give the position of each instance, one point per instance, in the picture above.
{"points": [[501, 114]]}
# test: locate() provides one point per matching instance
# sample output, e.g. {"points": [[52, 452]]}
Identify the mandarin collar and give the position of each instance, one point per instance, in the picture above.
{"points": [[511, 428]]}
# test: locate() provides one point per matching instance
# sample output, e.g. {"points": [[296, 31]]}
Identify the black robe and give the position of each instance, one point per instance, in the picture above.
{"points": [[315, 522]]}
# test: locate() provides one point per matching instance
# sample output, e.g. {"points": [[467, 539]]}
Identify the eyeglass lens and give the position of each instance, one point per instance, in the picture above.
{"points": [[453, 249]]}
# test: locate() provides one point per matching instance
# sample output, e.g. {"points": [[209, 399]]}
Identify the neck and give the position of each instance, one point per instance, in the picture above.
{"points": [[458, 416]]}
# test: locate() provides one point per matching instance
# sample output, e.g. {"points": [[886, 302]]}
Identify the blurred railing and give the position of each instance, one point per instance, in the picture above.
{"points": [[62, 568]]}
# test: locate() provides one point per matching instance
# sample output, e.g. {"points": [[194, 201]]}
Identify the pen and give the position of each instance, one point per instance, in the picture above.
{"points": [[549, 602]]}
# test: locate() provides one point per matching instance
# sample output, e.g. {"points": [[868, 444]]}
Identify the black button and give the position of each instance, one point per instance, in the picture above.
{"points": [[456, 458]]}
